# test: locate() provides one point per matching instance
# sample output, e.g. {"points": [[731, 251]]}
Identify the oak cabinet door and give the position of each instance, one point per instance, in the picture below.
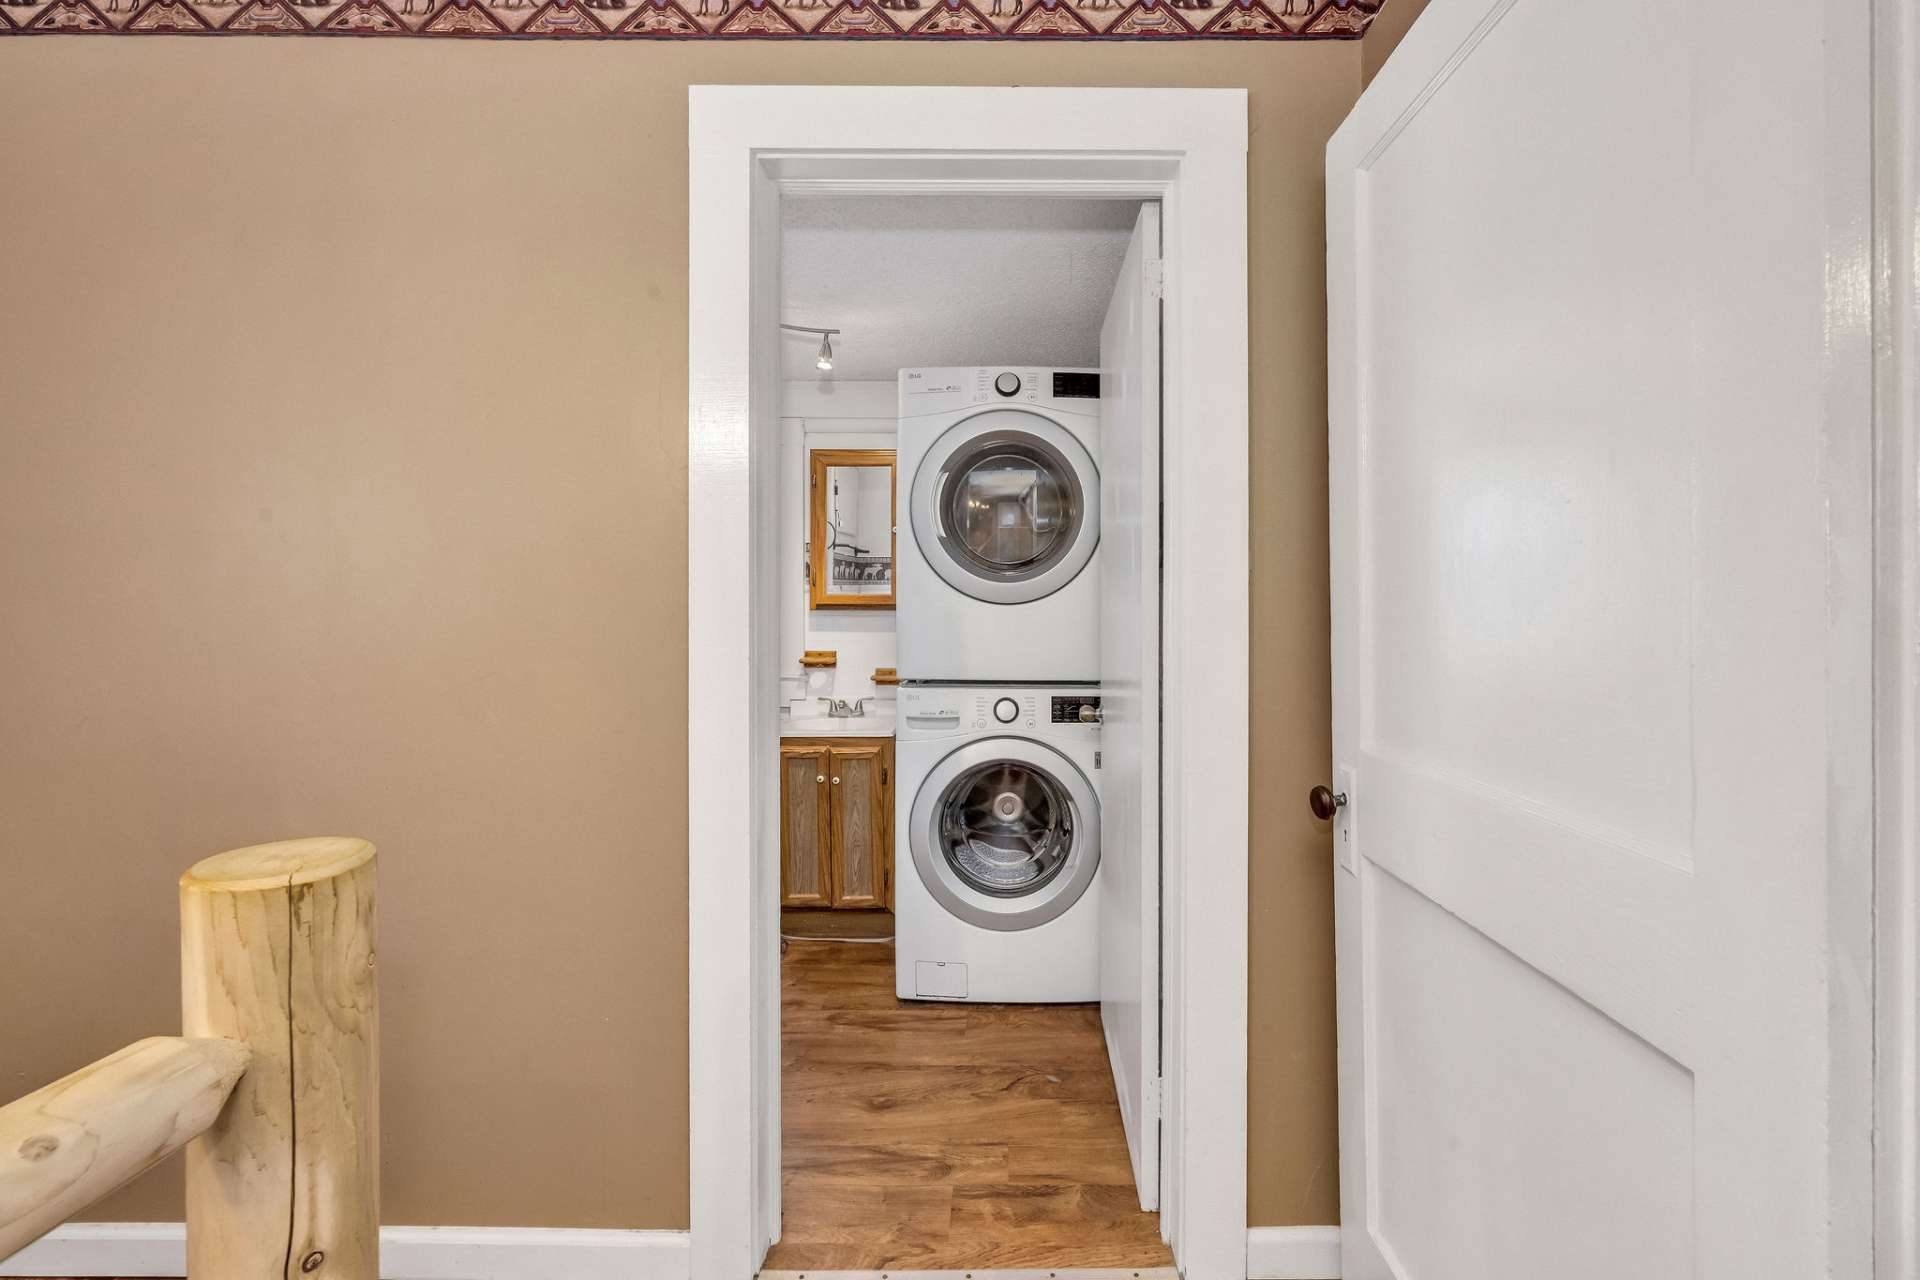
{"points": [[806, 827], [862, 860]]}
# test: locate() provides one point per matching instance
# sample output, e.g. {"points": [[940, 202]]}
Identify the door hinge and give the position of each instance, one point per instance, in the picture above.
{"points": [[1153, 1097], [1156, 279], [1096, 759]]}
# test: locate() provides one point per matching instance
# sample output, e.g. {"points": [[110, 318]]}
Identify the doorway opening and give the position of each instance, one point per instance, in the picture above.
{"points": [[755, 151], [967, 852]]}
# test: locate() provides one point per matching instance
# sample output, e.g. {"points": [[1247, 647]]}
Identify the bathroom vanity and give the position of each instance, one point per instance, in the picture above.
{"points": [[836, 818]]}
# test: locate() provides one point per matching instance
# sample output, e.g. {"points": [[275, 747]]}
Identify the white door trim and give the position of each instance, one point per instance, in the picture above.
{"points": [[1186, 147], [1897, 640], [1292, 1253]]}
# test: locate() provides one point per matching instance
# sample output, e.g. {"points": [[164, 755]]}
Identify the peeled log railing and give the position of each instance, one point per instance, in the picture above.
{"points": [[273, 1091], [70, 1143]]}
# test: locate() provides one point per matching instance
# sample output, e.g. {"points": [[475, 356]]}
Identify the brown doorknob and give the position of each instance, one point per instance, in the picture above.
{"points": [[1325, 803]]}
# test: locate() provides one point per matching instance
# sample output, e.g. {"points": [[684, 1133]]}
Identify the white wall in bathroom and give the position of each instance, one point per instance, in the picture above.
{"points": [[828, 415]]}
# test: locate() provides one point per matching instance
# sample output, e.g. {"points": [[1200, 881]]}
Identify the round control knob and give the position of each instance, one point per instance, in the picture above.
{"points": [[1006, 711], [1007, 384]]}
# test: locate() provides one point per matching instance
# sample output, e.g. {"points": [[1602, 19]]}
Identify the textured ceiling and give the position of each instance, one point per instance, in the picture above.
{"points": [[947, 280]]}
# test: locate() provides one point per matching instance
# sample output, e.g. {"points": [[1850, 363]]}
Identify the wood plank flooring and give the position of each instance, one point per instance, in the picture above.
{"points": [[946, 1136]]}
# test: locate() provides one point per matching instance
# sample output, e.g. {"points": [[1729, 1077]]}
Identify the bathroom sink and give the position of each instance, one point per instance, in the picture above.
{"points": [[872, 725]]}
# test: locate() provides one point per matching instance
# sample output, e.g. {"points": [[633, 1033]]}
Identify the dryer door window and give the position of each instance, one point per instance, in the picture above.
{"points": [[1005, 833], [1010, 508], [1006, 507]]}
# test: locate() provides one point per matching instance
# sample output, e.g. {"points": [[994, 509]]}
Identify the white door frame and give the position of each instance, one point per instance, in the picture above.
{"points": [[1185, 147], [1895, 281]]}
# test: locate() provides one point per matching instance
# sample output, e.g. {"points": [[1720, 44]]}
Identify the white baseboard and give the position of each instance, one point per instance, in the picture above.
{"points": [[406, 1253], [533, 1253], [104, 1249], [1293, 1253]]}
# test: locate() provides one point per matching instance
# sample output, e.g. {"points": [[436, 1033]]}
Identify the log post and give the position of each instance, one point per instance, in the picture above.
{"points": [[277, 952]]}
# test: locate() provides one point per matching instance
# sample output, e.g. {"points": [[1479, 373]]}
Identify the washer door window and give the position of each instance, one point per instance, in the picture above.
{"points": [[1006, 507], [1006, 833]]}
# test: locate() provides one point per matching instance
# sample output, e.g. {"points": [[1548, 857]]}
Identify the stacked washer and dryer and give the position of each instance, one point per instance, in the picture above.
{"points": [[998, 741]]}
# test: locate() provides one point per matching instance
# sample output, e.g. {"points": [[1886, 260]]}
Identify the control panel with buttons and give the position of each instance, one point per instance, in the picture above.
{"points": [[1005, 709], [1007, 384], [1066, 710], [1071, 391]]}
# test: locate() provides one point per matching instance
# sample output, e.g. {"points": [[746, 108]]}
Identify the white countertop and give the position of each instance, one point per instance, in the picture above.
{"points": [[875, 724]]}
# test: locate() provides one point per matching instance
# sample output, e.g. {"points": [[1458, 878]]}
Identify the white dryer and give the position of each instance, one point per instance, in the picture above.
{"points": [[996, 577], [997, 844]]}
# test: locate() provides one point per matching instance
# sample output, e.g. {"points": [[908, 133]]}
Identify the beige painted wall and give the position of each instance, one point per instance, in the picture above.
{"points": [[342, 488]]}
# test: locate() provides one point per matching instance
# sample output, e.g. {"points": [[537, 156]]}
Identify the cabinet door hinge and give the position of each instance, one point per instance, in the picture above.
{"points": [[1153, 1097], [1156, 272]]}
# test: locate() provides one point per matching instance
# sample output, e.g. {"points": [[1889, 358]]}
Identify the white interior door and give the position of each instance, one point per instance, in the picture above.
{"points": [[1130, 696], [1601, 572]]}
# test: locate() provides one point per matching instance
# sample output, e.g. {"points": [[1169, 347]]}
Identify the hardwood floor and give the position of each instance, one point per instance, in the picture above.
{"points": [[946, 1136]]}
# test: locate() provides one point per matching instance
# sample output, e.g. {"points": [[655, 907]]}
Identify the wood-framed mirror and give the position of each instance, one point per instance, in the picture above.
{"points": [[850, 528]]}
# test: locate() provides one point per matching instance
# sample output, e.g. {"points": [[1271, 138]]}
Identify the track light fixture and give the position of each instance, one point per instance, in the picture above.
{"points": [[823, 361]]}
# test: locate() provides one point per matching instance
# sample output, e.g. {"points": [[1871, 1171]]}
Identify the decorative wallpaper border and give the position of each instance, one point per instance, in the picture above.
{"points": [[702, 19]]}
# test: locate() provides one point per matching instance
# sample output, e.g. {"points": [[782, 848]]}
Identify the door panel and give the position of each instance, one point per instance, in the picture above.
{"points": [[806, 830], [1479, 1030], [859, 826], [1593, 518], [1130, 692]]}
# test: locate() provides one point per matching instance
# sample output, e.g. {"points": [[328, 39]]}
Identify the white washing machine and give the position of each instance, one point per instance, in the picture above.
{"points": [[997, 844], [997, 578]]}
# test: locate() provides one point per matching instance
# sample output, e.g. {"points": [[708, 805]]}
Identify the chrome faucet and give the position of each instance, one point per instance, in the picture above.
{"points": [[841, 709]]}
